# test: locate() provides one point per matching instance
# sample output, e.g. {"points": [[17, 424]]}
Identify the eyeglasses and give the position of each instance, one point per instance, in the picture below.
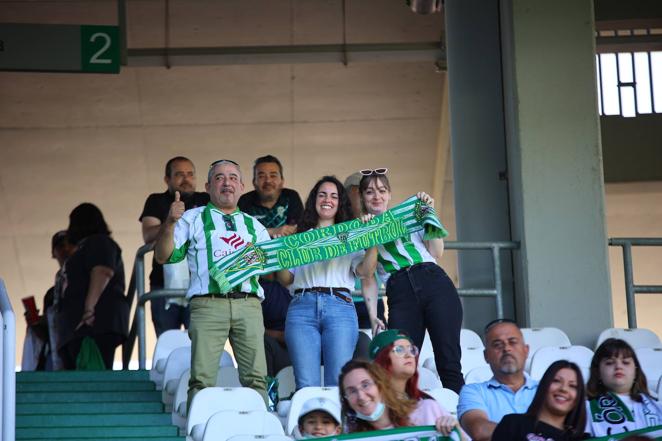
{"points": [[401, 350], [364, 386], [376, 171], [220, 161]]}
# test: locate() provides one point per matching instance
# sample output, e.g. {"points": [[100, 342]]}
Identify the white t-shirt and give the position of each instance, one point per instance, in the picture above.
{"points": [[609, 422], [339, 272]]}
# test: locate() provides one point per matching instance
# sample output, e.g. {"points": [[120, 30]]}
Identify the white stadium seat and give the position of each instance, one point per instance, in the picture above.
{"points": [[472, 358], [425, 351], [286, 382], [166, 343], [479, 374], [650, 360], [178, 415], [538, 338], [428, 379], [228, 376], [178, 361], [227, 424], [469, 339], [637, 338], [544, 357], [659, 388], [446, 398], [215, 399], [260, 438], [303, 395]]}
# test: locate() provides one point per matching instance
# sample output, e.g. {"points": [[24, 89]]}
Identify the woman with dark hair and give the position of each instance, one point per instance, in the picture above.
{"points": [[321, 319], [93, 302], [420, 295], [368, 402], [619, 400], [557, 411], [395, 352]]}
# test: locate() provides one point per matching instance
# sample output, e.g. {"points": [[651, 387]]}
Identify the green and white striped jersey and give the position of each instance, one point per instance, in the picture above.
{"points": [[406, 251], [204, 235]]}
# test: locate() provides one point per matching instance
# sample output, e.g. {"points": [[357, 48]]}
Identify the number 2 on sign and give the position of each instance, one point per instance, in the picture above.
{"points": [[96, 58]]}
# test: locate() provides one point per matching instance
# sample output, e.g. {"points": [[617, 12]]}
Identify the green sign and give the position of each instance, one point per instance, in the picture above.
{"points": [[59, 48]]}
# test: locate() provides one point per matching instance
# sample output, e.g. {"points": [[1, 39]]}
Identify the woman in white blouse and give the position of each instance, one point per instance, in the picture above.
{"points": [[321, 321]]}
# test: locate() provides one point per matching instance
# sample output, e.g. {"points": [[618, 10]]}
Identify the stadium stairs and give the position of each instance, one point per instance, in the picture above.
{"points": [[90, 405]]}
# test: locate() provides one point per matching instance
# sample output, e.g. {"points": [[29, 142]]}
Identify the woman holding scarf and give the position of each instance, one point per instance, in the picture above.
{"points": [[321, 320], [618, 396], [420, 295]]}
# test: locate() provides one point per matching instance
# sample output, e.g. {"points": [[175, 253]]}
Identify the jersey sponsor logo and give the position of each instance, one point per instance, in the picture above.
{"points": [[235, 241]]}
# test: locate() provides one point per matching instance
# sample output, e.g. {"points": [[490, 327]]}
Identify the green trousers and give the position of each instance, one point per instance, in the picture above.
{"points": [[213, 321]]}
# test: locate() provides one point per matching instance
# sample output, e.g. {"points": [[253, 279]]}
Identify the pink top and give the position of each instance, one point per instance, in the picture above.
{"points": [[427, 413]]}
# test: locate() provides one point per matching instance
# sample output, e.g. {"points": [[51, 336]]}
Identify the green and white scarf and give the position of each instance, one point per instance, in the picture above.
{"points": [[608, 413], [414, 433], [654, 433], [326, 243]]}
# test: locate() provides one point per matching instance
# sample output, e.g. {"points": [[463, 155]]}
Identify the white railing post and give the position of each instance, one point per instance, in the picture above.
{"points": [[8, 325]]}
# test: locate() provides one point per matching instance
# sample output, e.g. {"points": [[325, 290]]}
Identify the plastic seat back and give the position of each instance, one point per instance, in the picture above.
{"points": [[166, 343], [446, 398], [469, 339], [543, 357], [179, 401], [177, 362], [428, 379], [226, 424], [650, 360], [303, 395], [472, 358], [637, 337], [479, 374], [215, 399], [538, 338]]}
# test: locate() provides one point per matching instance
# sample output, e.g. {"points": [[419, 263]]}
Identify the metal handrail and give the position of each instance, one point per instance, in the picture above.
{"points": [[497, 291], [8, 357], [630, 287], [138, 325]]}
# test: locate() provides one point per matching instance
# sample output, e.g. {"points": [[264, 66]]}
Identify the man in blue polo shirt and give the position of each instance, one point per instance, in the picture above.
{"points": [[511, 390]]}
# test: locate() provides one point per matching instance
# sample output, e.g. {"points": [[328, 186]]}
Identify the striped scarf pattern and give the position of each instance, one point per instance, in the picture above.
{"points": [[326, 243]]}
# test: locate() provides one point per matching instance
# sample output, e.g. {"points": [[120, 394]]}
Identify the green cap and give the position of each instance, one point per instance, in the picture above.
{"points": [[383, 339]]}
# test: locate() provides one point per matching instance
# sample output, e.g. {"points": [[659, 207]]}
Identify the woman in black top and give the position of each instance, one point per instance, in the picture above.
{"points": [[93, 302], [557, 412]]}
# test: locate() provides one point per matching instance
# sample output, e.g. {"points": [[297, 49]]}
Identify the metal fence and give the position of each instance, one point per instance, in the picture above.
{"points": [[8, 359], [626, 243], [137, 289]]}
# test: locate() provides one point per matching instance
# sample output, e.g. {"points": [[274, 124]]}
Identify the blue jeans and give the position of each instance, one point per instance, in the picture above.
{"points": [[320, 325]]}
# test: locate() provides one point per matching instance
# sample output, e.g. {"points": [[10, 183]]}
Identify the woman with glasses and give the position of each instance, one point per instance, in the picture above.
{"points": [[321, 320], [420, 295], [395, 352], [368, 402]]}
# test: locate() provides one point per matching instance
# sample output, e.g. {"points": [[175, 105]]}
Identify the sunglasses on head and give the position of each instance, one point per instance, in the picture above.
{"points": [[376, 171], [496, 322], [220, 161]]}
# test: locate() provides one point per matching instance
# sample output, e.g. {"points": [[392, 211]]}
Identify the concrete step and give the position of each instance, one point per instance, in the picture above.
{"points": [[85, 386], [88, 420], [85, 408], [87, 397]]}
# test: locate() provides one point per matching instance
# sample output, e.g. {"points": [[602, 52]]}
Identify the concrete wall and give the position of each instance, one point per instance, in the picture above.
{"points": [[631, 148], [72, 138]]}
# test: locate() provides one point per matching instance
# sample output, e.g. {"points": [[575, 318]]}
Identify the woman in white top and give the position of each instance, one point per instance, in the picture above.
{"points": [[421, 296], [321, 321], [618, 397]]}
